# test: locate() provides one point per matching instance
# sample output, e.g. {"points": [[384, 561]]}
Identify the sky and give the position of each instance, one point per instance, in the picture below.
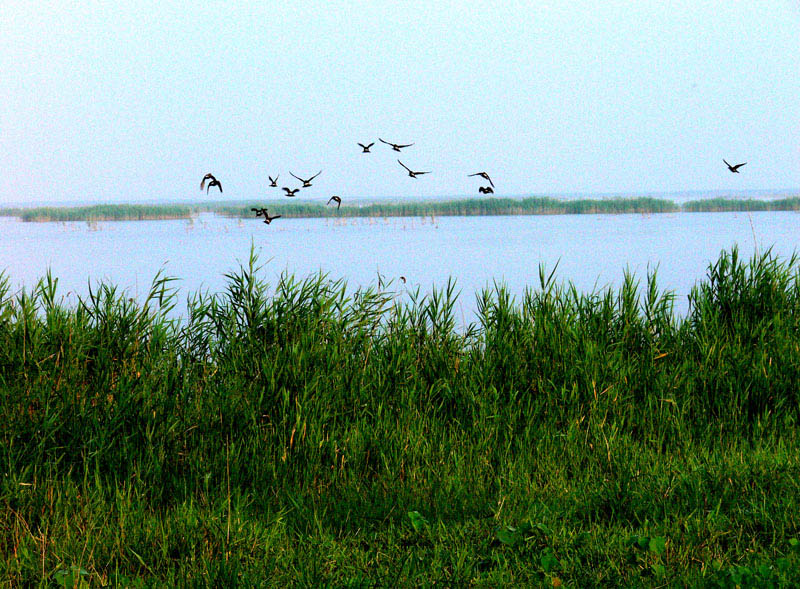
{"points": [[103, 102]]}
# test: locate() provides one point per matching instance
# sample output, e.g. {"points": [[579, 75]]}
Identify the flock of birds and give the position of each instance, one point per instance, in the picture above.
{"points": [[209, 180]]}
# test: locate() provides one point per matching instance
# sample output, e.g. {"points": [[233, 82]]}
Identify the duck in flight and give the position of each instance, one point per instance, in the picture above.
{"points": [[486, 190], [264, 213], [213, 182], [337, 200], [734, 169], [365, 148], [306, 183], [410, 172], [290, 192], [395, 146], [208, 176], [273, 182], [483, 175]]}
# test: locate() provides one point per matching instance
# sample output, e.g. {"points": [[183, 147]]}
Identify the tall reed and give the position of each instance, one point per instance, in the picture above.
{"points": [[284, 433]]}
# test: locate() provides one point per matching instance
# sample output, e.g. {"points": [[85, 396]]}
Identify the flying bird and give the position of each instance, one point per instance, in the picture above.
{"points": [[486, 190], [395, 146], [734, 169], [337, 200], [290, 192], [273, 182], [306, 183], [208, 176], [264, 213], [365, 148], [268, 219], [483, 175], [410, 173], [213, 182]]}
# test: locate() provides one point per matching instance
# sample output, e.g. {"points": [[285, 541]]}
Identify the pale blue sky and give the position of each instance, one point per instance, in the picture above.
{"points": [[111, 103]]}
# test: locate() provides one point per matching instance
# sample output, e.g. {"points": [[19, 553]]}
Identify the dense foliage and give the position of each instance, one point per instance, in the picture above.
{"points": [[306, 434]]}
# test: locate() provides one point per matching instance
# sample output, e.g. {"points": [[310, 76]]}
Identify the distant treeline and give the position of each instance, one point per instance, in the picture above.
{"points": [[460, 207]]}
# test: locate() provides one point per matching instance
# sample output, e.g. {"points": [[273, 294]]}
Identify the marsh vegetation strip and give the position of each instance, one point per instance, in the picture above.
{"points": [[460, 207], [298, 435], [116, 212]]}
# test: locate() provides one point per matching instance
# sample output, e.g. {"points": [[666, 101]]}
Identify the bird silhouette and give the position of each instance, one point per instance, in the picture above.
{"points": [[395, 146], [213, 182], [264, 213], [734, 169], [306, 183], [208, 176], [483, 175], [365, 148], [337, 200], [290, 192], [268, 219], [273, 182], [410, 172], [486, 190], [403, 278]]}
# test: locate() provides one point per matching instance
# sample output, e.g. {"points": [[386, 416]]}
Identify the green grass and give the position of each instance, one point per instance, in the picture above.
{"points": [[294, 434], [462, 207]]}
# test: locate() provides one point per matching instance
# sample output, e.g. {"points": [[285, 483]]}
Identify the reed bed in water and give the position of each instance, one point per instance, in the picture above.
{"points": [[115, 212], [465, 207], [303, 435], [723, 204], [461, 207]]}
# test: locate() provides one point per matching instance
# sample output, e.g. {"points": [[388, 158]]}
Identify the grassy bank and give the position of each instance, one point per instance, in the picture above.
{"points": [[463, 207], [290, 434]]}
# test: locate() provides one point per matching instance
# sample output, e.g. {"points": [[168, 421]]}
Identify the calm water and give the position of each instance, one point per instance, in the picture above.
{"points": [[592, 250]]}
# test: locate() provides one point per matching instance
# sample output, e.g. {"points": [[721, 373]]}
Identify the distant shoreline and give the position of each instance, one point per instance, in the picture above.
{"points": [[455, 207]]}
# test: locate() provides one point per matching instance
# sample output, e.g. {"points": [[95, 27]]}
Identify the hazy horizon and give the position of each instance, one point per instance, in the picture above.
{"points": [[130, 104]]}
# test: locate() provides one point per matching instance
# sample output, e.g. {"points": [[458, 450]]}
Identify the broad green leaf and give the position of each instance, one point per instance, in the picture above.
{"points": [[71, 577], [549, 562], [509, 535], [418, 520], [657, 544]]}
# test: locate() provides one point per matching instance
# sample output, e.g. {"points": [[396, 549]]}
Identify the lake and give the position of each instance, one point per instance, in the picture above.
{"points": [[592, 251]]}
